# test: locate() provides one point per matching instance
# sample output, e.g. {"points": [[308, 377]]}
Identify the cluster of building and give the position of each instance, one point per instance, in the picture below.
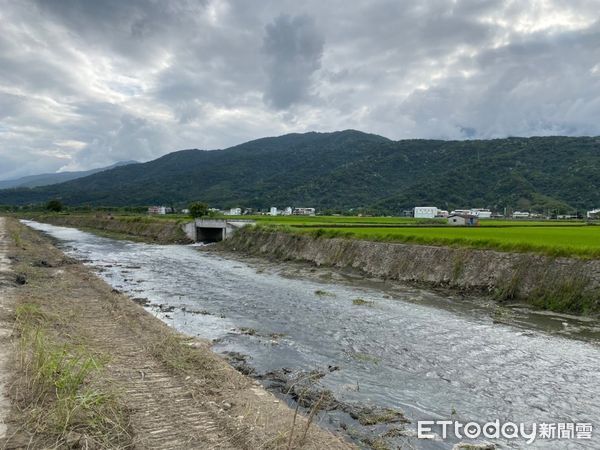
{"points": [[455, 217], [289, 211], [460, 217], [472, 216], [273, 211], [431, 212]]}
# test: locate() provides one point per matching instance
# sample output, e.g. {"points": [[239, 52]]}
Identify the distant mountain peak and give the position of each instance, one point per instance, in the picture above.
{"points": [[48, 179]]}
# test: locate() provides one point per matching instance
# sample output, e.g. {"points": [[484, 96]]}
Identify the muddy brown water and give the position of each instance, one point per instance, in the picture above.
{"points": [[430, 354]]}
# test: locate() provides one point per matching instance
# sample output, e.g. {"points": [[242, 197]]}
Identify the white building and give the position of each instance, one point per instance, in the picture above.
{"points": [[159, 210], [273, 211], [287, 211], [425, 212], [482, 213], [442, 213], [594, 214], [234, 212], [304, 211], [464, 212], [521, 215]]}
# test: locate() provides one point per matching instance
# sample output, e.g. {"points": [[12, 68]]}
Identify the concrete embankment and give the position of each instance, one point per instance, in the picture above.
{"points": [[146, 229], [560, 284]]}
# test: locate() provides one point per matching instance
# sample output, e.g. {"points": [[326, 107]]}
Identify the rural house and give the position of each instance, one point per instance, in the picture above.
{"points": [[469, 220]]}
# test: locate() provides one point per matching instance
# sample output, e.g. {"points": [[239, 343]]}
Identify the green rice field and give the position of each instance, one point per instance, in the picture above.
{"points": [[550, 237], [567, 240]]}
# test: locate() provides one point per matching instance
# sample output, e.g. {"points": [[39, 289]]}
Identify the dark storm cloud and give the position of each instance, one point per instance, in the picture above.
{"points": [[294, 47], [86, 83], [132, 29]]}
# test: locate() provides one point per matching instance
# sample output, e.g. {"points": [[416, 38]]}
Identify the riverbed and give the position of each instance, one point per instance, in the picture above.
{"points": [[432, 355]]}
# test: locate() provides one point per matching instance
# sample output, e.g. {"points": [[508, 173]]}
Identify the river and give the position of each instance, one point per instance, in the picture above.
{"points": [[433, 355]]}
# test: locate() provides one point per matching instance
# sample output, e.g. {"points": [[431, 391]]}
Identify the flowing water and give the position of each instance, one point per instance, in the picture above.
{"points": [[433, 356]]}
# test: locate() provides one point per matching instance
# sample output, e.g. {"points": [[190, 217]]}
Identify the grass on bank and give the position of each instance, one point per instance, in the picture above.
{"points": [[57, 398], [553, 294], [582, 242]]}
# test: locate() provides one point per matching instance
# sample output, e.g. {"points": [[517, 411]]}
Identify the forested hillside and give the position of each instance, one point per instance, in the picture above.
{"points": [[350, 169]]}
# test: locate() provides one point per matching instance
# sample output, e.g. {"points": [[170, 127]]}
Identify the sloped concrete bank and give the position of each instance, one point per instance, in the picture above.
{"points": [[560, 284], [139, 228]]}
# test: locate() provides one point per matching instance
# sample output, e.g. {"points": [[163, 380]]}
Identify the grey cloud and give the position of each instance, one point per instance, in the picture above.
{"points": [[537, 86], [132, 29], [294, 47], [137, 79], [10, 105], [27, 163], [132, 138]]}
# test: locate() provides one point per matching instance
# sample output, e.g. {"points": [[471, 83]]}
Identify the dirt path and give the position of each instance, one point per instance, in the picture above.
{"points": [[176, 393], [5, 325]]}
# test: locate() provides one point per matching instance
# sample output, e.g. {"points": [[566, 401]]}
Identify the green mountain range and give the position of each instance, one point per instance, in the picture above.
{"points": [[348, 170]]}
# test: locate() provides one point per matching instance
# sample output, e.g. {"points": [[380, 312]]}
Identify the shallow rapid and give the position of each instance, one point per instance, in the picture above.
{"points": [[410, 349]]}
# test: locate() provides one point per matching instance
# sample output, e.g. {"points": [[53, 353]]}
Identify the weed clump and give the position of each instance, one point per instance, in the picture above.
{"points": [[16, 235], [566, 296], [362, 302], [248, 331], [321, 293], [373, 416], [59, 399]]}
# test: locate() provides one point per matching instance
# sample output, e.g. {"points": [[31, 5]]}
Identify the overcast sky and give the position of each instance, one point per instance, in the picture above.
{"points": [[86, 83]]}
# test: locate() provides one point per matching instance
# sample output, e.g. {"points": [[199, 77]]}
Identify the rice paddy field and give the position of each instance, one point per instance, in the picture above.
{"points": [[555, 238], [581, 241]]}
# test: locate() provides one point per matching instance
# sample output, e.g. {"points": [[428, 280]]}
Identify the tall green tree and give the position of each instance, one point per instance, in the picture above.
{"points": [[54, 205], [198, 209]]}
